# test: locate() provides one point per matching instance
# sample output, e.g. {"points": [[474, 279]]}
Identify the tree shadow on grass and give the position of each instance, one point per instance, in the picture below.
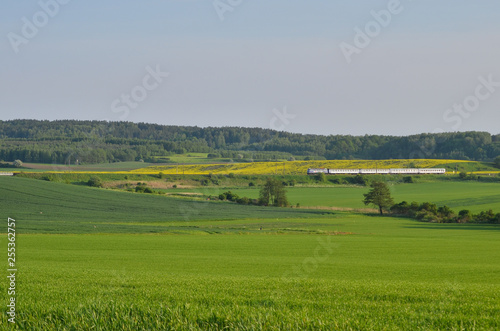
{"points": [[453, 226]]}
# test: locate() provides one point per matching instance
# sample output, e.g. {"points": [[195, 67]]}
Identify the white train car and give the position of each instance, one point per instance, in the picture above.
{"points": [[438, 171], [343, 171], [395, 171], [404, 171]]}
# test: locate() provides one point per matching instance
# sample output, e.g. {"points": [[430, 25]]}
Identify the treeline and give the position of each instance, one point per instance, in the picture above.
{"points": [[430, 212], [100, 141]]}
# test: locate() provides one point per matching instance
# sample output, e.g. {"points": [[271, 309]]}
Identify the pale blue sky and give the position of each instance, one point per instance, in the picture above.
{"points": [[263, 57]]}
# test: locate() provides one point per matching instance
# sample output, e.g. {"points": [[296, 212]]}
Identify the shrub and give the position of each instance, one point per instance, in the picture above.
{"points": [[360, 180], [321, 178], [244, 201], [95, 181], [464, 216], [338, 180], [408, 179], [17, 163]]}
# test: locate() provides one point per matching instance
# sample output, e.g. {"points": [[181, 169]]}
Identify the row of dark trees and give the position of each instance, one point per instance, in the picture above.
{"points": [[380, 196], [430, 212], [97, 141]]}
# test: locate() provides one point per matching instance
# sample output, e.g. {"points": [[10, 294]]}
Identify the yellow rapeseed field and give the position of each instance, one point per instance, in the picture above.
{"points": [[288, 167]]}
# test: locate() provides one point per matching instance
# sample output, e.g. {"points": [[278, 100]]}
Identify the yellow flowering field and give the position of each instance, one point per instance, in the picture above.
{"points": [[288, 167]]}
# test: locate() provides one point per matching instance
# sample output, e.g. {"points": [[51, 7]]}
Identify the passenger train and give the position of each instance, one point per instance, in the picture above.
{"points": [[408, 171]]}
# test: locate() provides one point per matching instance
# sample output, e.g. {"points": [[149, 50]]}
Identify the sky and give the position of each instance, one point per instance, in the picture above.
{"points": [[316, 67]]}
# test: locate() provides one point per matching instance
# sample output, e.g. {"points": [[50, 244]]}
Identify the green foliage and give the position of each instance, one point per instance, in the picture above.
{"points": [[90, 142], [321, 177], [95, 181], [429, 212], [408, 179], [17, 163], [273, 193], [379, 196], [497, 161], [359, 180], [465, 176]]}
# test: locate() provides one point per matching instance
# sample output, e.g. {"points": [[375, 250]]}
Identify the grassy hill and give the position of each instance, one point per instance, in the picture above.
{"points": [[41, 206]]}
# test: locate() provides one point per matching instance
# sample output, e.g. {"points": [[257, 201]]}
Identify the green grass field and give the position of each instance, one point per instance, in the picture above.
{"points": [[475, 196], [389, 274], [147, 266]]}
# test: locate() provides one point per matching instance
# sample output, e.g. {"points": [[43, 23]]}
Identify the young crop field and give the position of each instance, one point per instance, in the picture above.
{"points": [[105, 260], [388, 274]]}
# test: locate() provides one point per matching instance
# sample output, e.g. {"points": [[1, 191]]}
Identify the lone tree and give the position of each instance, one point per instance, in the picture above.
{"points": [[379, 196], [17, 163], [273, 193]]}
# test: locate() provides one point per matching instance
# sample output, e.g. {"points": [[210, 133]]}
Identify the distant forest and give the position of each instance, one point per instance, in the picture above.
{"points": [[98, 141]]}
